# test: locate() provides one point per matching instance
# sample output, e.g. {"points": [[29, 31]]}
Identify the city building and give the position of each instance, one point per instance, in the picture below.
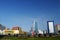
{"points": [[50, 27], [45, 32], [1, 32], [57, 29], [40, 32], [17, 30], [2, 27], [34, 28], [32, 31]]}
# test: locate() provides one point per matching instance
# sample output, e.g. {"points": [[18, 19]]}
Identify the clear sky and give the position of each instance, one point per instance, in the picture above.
{"points": [[23, 12]]}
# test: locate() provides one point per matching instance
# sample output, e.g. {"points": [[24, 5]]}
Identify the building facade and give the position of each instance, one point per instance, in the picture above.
{"points": [[50, 27], [17, 29], [57, 28], [34, 28], [2, 27]]}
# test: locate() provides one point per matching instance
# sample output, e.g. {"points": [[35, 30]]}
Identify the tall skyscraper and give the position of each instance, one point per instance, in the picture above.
{"points": [[32, 29], [33, 33], [36, 27]]}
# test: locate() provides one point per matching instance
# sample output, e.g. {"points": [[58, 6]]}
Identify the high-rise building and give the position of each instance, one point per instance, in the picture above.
{"points": [[34, 28], [50, 27]]}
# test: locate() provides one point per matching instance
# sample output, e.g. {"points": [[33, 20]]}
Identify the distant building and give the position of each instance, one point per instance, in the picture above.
{"points": [[17, 28], [2, 27], [40, 32], [32, 31], [34, 28], [45, 32], [1, 32], [50, 27], [57, 28]]}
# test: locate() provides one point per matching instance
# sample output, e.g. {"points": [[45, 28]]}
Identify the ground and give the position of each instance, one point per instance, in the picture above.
{"points": [[29, 38]]}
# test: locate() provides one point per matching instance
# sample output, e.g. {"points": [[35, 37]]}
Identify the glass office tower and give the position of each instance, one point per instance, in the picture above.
{"points": [[36, 27]]}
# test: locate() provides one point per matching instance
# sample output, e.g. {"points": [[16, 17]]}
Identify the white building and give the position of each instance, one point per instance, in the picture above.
{"points": [[40, 32], [2, 32]]}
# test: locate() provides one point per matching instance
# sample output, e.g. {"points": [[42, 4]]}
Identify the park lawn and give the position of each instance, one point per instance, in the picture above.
{"points": [[30, 38]]}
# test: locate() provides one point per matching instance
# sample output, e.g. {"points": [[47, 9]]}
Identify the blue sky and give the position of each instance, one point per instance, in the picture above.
{"points": [[23, 12]]}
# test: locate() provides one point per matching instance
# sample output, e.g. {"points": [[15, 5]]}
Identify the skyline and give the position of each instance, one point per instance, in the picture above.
{"points": [[23, 12]]}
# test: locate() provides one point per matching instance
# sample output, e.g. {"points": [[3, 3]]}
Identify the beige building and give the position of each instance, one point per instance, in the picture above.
{"points": [[15, 30], [57, 28]]}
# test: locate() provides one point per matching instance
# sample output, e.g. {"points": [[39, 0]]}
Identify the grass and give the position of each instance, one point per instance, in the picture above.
{"points": [[29, 38]]}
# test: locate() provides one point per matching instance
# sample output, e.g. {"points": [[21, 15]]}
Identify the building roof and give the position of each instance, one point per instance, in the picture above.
{"points": [[16, 28]]}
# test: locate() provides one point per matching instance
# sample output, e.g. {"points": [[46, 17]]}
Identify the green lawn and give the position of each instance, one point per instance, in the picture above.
{"points": [[30, 38]]}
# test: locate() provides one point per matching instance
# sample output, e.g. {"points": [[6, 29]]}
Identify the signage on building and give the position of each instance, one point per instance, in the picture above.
{"points": [[50, 26]]}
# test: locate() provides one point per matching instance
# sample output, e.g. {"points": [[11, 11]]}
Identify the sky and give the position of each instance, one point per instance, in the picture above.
{"points": [[22, 13]]}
